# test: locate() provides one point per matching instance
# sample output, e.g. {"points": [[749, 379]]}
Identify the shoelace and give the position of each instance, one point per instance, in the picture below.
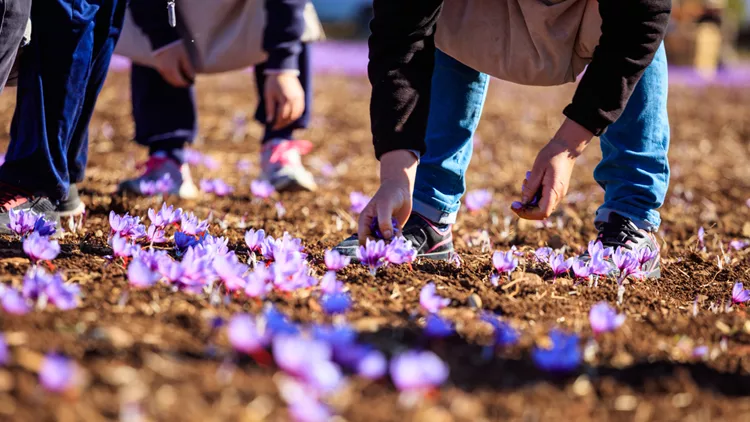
{"points": [[280, 152], [614, 235]]}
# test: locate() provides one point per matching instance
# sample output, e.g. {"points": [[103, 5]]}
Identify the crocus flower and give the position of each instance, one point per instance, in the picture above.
{"points": [[230, 271], [560, 265], [372, 254], [335, 261], [400, 251], [646, 254], [183, 241], [45, 228], [739, 294], [64, 296], [22, 221], [155, 235], [147, 187], [216, 186], [359, 201], [244, 165], [261, 189], [372, 366], [254, 239], [171, 271], [164, 184], [542, 254], [375, 227], [581, 269], [329, 285], [307, 409], [258, 282], [121, 247], [190, 224], [57, 373], [598, 265], [504, 262], [141, 276], [505, 335], [278, 323], [13, 303], [415, 370], [34, 282], [336, 303], [596, 246], [563, 356], [193, 157], [126, 226], [4, 354], [701, 238], [166, 216], [437, 327], [430, 300], [39, 248], [244, 334], [604, 318], [738, 245], [477, 199], [308, 360], [625, 260]]}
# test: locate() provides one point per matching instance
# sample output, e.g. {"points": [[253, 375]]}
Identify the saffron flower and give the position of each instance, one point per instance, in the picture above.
{"points": [[430, 300], [141, 276], [216, 186], [22, 221], [257, 283], [183, 241], [563, 356], [542, 254], [166, 216], [13, 303], [244, 334], [372, 254], [278, 323], [604, 318], [418, 371], [155, 235], [701, 238], [477, 199], [4, 354], [193, 157], [581, 269], [739, 294], [261, 189], [596, 246], [44, 227], [126, 226], [64, 296], [437, 327], [230, 271], [336, 303], [375, 228], [646, 254], [121, 247], [35, 281], [372, 366], [504, 262], [505, 335], [358, 202], [57, 373], [254, 240], [330, 285], [400, 251], [626, 261], [560, 265], [40, 248], [190, 224], [738, 245], [308, 360], [335, 261]]}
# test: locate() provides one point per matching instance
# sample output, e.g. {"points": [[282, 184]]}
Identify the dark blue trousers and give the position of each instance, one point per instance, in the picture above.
{"points": [[61, 74], [166, 117]]}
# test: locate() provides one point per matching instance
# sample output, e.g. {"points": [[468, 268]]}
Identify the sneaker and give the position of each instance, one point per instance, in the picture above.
{"points": [[73, 206], [156, 167], [12, 198], [430, 240], [620, 231], [281, 164]]}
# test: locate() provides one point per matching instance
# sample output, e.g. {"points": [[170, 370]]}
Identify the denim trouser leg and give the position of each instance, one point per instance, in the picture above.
{"points": [[456, 102], [14, 15], [305, 78], [634, 170], [61, 73], [165, 116]]}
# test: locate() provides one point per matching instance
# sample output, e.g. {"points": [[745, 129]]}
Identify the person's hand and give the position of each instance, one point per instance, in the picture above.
{"points": [[398, 170], [285, 99], [173, 64], [551, 172]]}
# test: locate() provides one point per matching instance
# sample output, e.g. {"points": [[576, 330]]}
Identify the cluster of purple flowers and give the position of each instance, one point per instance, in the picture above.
{"points": [[376, 253], [261, 189], [25, 222], [160, 186], [505, 262], [40, 288], [216, 186]]}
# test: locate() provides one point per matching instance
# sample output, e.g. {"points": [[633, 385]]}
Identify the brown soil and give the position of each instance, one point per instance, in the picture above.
{"points": [[158, 350]]}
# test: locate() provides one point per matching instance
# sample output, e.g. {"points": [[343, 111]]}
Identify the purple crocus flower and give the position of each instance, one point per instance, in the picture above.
{"points": [[34, 282], [141, 276], [244, 165], [625, 260], [400, 251], [126, 226], [646, 254], [184, 241], [415, 371], [261, 189], [542, 254], [372, 254], [504, 262], [171, 271], [216, 186], [505, 335], [190, 224], [430, 300], [563, 356], [57, 373], [373, 365], [166, 216], [598, 265], [701, 238], [359, 201], [738, 245], [308, 360], [336, 303], [329, 285], [278, 323], [155, 235], [164, 184], [64, 296], [308, 409], [604, 318], [22, 221], [437, 327], [739, 294], [121, 247], [258, 282], [560, 265], [230, 271], [477, 199], [147, 187], [13, 303], [197, 271], [40, 248], [45, 228], [375, 227], [193, 157], [4, 353], [581, 269], [254, 239], [244, 334], [335, 261], [596, 246]]}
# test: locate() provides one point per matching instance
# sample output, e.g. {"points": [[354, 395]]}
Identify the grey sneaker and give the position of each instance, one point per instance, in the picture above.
{"points": [[281, 165], [620, 231], [73, 206], [158, 167]]}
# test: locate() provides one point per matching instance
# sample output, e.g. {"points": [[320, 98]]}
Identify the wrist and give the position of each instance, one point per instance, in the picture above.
{"points": [[573, 137], [397, 164]]}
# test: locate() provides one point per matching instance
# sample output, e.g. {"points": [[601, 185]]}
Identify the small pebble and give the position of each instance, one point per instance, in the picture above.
{"points": [[626, 403], [475, 301]]}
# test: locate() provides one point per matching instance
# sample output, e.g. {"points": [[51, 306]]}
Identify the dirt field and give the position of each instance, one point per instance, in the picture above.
{"points": [[156, 356]]}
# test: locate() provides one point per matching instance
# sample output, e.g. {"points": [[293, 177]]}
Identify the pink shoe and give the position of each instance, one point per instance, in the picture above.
{"points": [[281, 164], [162, 175]]}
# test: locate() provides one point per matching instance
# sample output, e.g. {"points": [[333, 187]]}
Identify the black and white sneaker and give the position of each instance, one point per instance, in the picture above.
{"points": [[431, 241], [619, 231], [13, 198]]}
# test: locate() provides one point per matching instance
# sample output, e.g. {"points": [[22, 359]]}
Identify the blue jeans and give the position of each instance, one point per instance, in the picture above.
{"points": [[61, 74], [166, 117], [634, 171]]}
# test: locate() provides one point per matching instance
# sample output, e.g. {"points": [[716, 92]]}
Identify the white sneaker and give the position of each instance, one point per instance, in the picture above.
{"points": [[160, 169], [281, 165]]}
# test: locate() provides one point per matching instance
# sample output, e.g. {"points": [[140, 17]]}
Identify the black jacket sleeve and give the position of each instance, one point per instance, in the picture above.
{"points": [[282, 37], [151, 17], [632, 31], [402, 57]]}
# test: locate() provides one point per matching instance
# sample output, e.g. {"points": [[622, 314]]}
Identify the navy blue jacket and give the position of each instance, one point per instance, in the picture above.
{"points": [[282, 35]]}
